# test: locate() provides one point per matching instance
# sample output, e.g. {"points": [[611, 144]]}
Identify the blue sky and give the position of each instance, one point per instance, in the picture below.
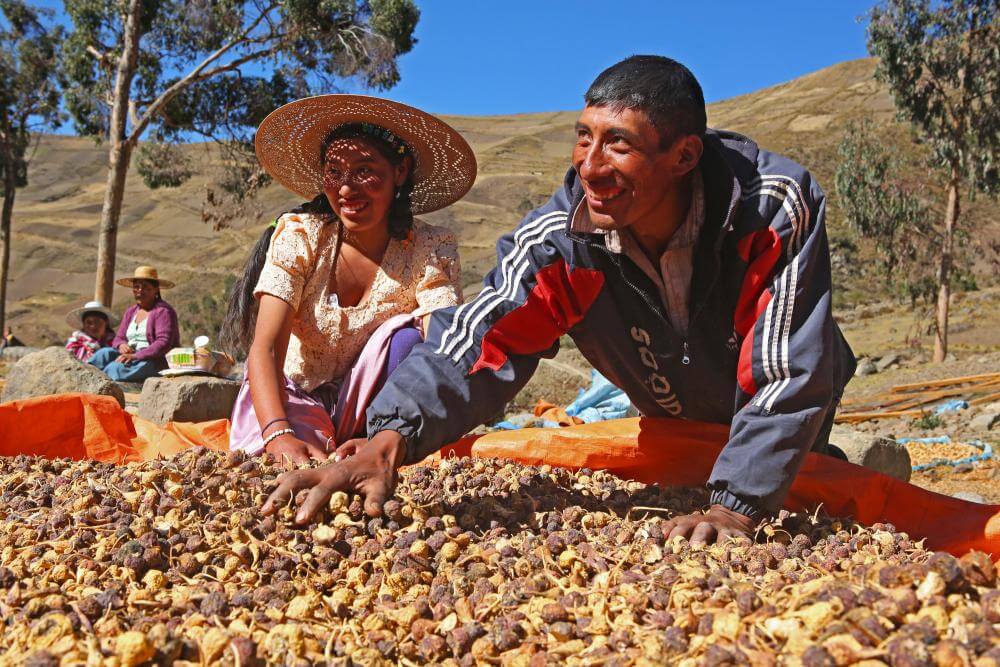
{"points": [[514, 56], [477, 57]]}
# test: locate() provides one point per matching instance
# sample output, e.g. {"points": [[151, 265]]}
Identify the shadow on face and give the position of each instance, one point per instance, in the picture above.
{"points": [[95, 325], [145, 292], [360, 183]]}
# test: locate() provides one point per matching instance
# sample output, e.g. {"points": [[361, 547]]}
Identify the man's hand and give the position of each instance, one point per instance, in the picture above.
{"points": [[348, 449], [371, 472], [298, 451], [716, 525]]}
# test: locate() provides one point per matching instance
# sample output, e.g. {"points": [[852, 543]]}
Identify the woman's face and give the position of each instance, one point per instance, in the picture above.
{"points": [[95, 325], [144, 292], [361, 184]]}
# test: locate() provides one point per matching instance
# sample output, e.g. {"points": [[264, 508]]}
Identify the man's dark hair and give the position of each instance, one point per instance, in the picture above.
{"points": [[663, 89]]}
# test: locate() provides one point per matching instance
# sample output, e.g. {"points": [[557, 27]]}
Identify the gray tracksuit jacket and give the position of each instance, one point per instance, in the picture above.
{"points": [[762, 353]]}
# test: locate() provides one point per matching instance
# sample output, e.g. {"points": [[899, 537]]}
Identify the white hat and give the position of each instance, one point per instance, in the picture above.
{"points": [[75, 316]]}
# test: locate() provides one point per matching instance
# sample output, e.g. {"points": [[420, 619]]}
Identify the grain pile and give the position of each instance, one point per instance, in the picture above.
{"points": [[476, 561], [940, 453]]}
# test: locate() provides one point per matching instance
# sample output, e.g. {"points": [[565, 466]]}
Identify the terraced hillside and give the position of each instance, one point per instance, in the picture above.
{"points": [[521, 160]]}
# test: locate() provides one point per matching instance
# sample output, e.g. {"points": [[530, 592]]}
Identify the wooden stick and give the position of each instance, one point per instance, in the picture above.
{"points": [[946, 382], [916, 398], [989, 398], [868, 416]]}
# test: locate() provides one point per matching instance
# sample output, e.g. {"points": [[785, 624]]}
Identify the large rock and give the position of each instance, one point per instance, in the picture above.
{"points": [[866, 367], [187, 399], [887, 362], [970, 496], [986, 421], [14, 354], [54, 371], [871, 451]]}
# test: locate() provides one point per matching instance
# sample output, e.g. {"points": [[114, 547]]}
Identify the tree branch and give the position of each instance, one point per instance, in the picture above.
{"points": [[101, 57], [133, 114], [199, 73]]}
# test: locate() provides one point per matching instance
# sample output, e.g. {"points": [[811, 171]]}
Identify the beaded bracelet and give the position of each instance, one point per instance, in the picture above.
{"points": [[278, 433], [272, 423]]}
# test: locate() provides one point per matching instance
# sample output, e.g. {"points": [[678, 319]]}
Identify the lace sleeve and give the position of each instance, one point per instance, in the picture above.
{"points": [[290, 260], [439, 285]]}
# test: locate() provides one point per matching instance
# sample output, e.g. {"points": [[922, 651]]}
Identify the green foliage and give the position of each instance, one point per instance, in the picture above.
{"points": [[29, 92], [162, 165], [927, 421], [877, 205], [941, 61], [215, 69], [203, 313]]}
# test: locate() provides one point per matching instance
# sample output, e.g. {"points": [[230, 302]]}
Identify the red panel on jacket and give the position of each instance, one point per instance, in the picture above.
{"points": [[560, 299]]}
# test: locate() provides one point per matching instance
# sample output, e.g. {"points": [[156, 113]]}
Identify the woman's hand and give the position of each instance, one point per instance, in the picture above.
{"points": [[298, 451], [126, 358], [125, 348], [370, 472]]}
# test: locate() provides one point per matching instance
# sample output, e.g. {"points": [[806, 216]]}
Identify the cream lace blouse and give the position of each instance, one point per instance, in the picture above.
{"points": [[417, 275]]}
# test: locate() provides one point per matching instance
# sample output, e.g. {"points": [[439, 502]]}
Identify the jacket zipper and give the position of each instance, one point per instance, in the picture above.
{"points": [[733, 201], [645, 297]]}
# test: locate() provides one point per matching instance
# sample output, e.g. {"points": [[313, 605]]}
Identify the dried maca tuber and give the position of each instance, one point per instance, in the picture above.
{"points": [[475, 561]]}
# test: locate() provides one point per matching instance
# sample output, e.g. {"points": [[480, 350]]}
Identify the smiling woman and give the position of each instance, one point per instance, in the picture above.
{"points": [[336, 291]]}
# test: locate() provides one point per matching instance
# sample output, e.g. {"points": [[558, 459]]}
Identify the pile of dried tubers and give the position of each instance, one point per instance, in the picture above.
{"points": [[475, 562]]}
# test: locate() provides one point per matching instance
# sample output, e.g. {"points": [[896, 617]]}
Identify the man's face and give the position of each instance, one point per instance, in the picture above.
{"points": [[625, 173]]}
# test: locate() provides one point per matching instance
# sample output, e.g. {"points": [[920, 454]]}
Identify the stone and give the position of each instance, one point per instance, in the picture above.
{"points": [[54, 371], [188, 398], [14, 354], [887, 361], [985, 421], [884, 455], [970, 497], [866, 367]]}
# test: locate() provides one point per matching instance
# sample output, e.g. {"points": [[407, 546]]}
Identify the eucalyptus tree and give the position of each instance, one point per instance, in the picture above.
{"points": [[168, 69]]}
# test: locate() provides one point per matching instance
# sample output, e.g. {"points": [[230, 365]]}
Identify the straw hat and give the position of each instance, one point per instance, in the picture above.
{"points": [[144, 273], [288, 146], [75, 316]]}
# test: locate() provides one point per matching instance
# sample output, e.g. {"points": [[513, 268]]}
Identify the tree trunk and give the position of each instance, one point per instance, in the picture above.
{"points": [[9, 190], [119, 156], [944, 271]]}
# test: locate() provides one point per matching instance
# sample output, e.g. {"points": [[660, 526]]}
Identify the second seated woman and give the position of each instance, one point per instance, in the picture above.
{"points": [[336, 291], [148, 331]]}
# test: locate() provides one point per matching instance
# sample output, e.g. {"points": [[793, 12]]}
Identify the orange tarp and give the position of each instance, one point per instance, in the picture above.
{"points": [[663, 451]]}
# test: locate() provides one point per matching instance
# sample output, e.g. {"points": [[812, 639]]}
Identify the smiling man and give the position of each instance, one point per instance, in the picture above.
{"points": [[689, 266]]}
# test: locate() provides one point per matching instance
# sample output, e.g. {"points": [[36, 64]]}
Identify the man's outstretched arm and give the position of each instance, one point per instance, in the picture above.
{"points": [[476, 358], [787, 368]]}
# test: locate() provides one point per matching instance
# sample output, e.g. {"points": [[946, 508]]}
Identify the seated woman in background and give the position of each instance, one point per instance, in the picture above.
{"points": [[345, 281], [93, 328], [148, 331]]}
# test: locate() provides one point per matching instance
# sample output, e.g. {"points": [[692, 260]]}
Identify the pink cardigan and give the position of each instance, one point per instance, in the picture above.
{"points": [[162, 332]]}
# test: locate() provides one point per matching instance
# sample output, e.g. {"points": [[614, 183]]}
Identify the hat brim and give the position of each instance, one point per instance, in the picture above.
{"points": [[288, 146], [127, 282], [75, 317]]}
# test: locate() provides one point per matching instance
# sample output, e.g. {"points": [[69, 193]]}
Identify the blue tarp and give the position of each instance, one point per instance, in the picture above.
{"points": [[601, 401]]}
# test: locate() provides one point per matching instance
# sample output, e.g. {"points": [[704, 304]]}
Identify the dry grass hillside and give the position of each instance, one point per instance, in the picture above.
{"points": [[521, 161]]}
